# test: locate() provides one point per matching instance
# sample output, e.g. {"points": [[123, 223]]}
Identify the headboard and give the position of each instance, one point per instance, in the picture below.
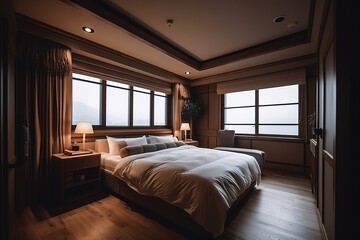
{"points": [[101, 145]]}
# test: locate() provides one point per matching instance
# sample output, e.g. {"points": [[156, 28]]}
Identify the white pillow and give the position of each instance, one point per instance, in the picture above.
{"points": [[113, 143], [162, 139]]}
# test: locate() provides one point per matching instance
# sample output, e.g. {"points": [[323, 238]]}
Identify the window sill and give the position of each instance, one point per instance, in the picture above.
{"points": [[271, 138]]}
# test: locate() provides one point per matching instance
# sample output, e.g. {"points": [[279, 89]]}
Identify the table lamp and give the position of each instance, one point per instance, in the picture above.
{"points": [[84, 128], [185, 127]]}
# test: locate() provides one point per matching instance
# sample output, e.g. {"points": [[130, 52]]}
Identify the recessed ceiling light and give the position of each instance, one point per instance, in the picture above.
{"points": [[88, 29], [187, 72], [279, 19]]}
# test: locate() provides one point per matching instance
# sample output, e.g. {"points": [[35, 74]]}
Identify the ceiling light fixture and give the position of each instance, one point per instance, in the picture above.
{"points": [[169, 22], [88, 29], [187, 72], [279, 19]]}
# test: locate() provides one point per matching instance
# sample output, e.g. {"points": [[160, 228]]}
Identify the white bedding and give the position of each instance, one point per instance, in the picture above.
{"points": [[204, 182]]}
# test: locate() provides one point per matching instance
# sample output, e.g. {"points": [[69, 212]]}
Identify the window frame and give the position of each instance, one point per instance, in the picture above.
{"points": [[91, 82], [166, 108], [103, 99], [104, 115], [301, 114]]}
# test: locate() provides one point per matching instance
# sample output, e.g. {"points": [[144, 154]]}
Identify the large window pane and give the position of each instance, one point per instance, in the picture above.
{"points": [[117, 106], [240, 115], [279, 95], [86, 101], [238, 99], [159, 110], [285, 114], [141, 109], [279, 129]]}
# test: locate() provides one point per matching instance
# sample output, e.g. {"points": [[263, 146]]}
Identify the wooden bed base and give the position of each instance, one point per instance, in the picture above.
{"points": [[171, 216]]}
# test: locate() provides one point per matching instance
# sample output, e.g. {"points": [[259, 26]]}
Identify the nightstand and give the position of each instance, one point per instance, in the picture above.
{"points": [[191, 142], [76, 178]]}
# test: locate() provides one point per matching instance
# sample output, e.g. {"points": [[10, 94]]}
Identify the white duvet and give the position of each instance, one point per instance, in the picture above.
{"points": [[204, 182]]}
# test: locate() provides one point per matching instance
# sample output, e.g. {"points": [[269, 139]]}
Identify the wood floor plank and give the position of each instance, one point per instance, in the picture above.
{"points": [[282, 208]]}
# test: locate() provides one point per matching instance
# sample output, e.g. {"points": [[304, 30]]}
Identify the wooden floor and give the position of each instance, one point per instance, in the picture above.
{"points": [[282, 207]]}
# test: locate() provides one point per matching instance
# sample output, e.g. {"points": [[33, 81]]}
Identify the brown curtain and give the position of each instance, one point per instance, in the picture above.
{"points": [[43, 69], [180, 94]]}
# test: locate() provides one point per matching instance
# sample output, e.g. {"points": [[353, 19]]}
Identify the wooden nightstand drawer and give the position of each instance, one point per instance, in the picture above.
{"points": [[81, 162]]}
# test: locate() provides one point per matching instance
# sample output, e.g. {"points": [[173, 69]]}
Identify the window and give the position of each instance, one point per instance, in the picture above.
{"points": [[86, 99], [160, 107], [108, 103], [268, 111], [141, 107], [117, 104]]}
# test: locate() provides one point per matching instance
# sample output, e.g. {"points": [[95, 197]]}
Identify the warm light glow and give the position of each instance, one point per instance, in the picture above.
{"points": [[88, 29], [185, 126], [84, 128], [187, 72]]}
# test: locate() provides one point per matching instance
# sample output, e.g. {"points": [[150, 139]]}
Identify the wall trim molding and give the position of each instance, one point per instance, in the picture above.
{"points": [[279, 66]]}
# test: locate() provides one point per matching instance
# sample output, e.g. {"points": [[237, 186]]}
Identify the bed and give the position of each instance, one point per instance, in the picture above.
{"points": [[195, 188]]}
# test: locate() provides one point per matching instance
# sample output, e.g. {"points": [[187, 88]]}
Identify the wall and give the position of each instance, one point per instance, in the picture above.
{"points": [[7, 119], [206, 126], [347, 197]]}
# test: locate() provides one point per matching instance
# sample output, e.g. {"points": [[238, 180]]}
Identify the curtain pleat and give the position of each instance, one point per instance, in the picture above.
{"points": [[45, 68], [180, 94]]}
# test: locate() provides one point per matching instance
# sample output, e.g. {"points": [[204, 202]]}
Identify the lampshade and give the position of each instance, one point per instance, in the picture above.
{"points": [[185, 126], [84, 127]]}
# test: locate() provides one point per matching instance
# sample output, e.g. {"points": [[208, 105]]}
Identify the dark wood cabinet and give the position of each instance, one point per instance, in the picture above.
{"points": [[76, 178]]}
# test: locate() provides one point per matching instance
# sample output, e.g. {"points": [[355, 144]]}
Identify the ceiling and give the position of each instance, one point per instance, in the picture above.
{"points": [[206, 37]]}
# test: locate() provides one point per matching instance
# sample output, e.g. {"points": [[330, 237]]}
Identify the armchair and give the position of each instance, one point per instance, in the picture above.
{"points": [[226, 142]]}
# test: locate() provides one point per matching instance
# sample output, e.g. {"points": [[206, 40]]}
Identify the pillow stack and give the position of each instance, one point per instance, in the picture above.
{"points": [[130, 146], [115, 144], [162, 139], [137, 149]]}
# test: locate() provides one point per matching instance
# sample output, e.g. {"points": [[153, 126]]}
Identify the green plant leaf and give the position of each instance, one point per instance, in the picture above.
{"points": [[190, 110]]}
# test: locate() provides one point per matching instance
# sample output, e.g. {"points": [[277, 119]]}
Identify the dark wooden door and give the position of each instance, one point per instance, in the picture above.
{"points": [[327, 127], [4, 183]]}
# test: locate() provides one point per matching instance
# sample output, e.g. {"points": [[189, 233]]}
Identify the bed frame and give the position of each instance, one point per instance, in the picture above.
{"points": [[166, 214], [163, 212]]}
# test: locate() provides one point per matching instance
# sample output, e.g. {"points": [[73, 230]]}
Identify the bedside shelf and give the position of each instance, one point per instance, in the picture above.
{"points": [[76, 177]]}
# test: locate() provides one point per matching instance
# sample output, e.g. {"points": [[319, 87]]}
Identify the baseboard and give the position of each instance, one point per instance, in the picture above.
{"points": [[285, 167], [321, 225]]}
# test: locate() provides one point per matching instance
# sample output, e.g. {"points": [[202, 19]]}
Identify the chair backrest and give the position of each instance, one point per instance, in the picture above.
{"points": [[226, 138]]}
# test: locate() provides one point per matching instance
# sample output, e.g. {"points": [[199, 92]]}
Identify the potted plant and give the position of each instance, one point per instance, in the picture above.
{"points": [[190, 111]]}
